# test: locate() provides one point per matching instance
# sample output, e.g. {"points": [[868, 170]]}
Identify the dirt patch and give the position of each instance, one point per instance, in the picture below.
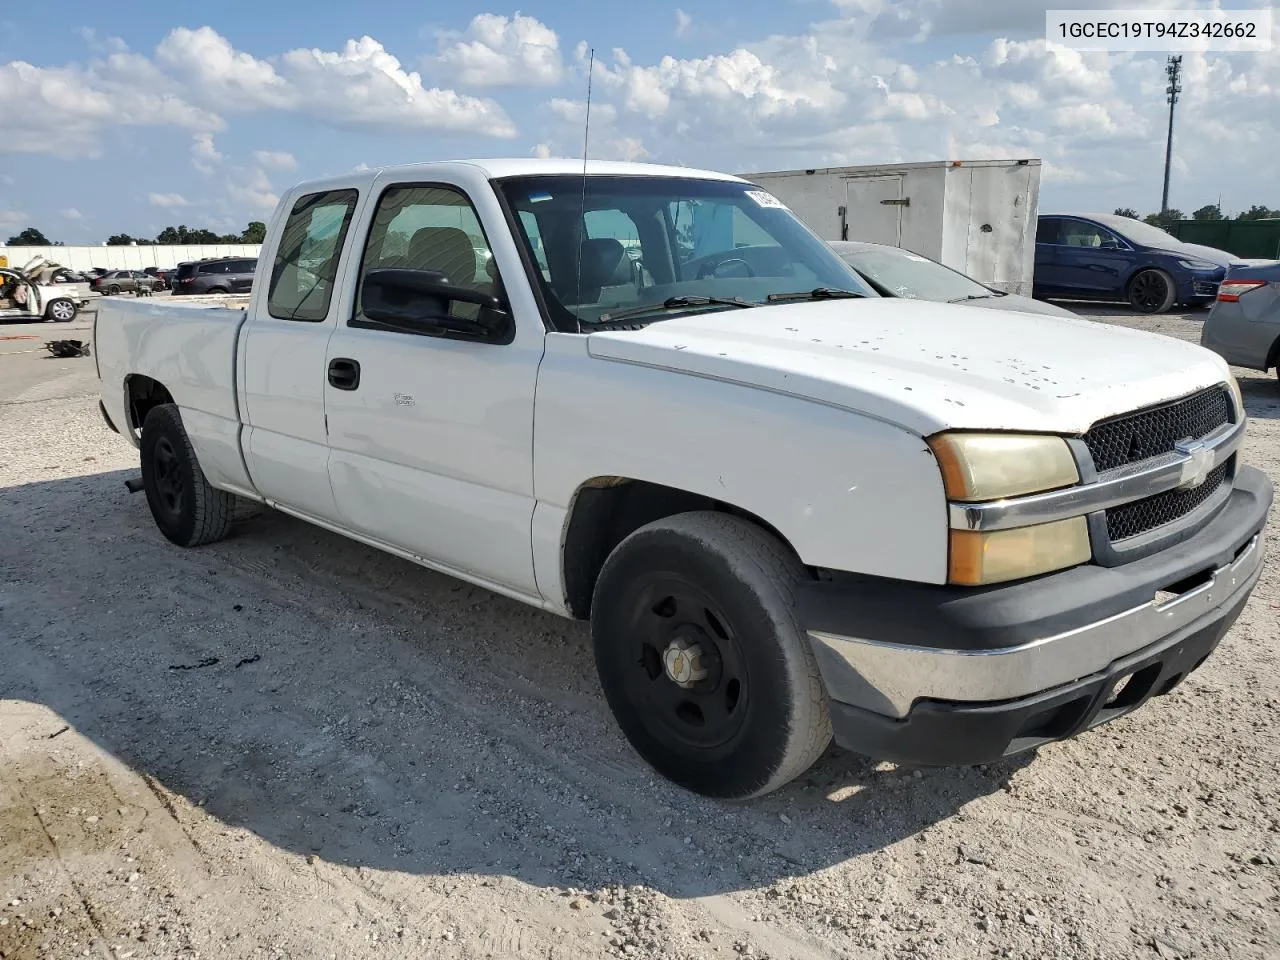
{"points": [[376, 761]]}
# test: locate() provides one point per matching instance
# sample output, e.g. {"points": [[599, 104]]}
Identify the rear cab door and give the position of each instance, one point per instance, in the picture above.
{"points": [[281, 359], [431, 435]]}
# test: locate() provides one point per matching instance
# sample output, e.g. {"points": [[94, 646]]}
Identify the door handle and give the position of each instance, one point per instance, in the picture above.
{"points": [[344, 374]]}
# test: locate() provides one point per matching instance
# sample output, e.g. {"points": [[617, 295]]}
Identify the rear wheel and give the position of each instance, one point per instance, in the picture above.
{"points": [[702, 656], [113, 289], [60, 311], [1152, 291], [188, 511], [219, 290]]}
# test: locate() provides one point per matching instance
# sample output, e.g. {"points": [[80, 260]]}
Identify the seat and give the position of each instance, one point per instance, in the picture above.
{"points": [[445, 250], [604, 264]]}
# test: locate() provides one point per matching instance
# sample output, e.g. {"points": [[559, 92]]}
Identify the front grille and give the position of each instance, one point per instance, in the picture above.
{"points": [[1139, 436], [1203, 288], [1131, 519]]}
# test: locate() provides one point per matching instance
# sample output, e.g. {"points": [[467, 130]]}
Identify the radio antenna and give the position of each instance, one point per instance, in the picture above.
{"points": [[582, 212]]}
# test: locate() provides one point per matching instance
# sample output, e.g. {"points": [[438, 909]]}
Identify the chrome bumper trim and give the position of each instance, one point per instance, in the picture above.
{"points": [[894, 676], [1186, 467]]}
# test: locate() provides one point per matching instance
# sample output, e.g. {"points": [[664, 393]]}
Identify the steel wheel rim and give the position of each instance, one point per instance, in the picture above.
{"points": [[707, 713], [1149, 290], [170, 488]]}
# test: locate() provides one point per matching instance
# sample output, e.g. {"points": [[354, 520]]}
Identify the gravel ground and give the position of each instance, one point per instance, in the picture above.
{"points": [[289, 745]]}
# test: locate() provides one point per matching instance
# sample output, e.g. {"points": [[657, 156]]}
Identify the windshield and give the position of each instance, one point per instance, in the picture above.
{"points": [[902, 273], [1139, 232], [645, 240]]}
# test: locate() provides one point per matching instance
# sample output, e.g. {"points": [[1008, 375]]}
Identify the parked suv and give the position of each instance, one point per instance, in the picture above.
{"points": [[223, 275], [1108, 257]]}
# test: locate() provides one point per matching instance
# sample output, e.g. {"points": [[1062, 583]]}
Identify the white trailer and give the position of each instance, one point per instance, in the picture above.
{"points": [[975, 216]]}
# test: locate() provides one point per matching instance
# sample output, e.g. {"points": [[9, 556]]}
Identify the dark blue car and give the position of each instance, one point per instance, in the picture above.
{"points": [[1107, 257]]}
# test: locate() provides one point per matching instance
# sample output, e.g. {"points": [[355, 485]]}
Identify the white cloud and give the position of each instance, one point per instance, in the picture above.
{"points": [[683, 23], [275, 159], [169, 200], [361, 86], [542, 151], [495, 51], [65, 109], [204, 155], [13, 220], [252, 189], [71, 213]]}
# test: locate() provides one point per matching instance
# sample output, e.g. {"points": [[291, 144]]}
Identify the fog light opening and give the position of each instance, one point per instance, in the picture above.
{"points": [[1117, 690]]}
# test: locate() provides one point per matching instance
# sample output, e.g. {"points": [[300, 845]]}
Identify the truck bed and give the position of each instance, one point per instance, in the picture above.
{"points": [[187, 345]]}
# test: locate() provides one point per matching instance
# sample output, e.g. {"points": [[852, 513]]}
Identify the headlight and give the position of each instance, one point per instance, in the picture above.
{"points": [[991, 466], [1198, 265], [982, 558]]}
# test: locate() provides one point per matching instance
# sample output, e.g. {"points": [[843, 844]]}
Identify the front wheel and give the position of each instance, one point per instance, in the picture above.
{"points": [[60, 311], [702, 656], [1152, 291], [113, 290], [188, 511]]}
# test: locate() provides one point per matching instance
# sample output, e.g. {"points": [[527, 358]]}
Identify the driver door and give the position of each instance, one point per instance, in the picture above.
{"points": [[431, 437]]}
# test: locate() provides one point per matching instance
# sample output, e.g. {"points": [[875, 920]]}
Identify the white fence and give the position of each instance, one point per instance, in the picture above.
{"points": [[127, 258]]}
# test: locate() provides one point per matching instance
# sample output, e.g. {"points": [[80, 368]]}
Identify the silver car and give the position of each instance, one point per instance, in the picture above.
{"points": [[895, 272], [1244, 325]]}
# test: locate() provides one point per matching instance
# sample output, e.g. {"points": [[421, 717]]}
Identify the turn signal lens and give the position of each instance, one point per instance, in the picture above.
{"points": [[991, 466], [1001, 555]]}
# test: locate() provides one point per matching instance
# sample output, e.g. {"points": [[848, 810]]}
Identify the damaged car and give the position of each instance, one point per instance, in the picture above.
{"points": [[41, 290]]}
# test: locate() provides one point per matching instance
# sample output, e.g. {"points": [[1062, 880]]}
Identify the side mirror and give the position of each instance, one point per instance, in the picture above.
{"points": [[420, 301]]}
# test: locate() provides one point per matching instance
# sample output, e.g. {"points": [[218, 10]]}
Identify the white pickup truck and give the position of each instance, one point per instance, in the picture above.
{"points": [[649, 397]]}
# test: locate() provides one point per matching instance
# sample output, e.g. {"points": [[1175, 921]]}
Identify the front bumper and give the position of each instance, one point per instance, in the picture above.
{"points": [[976, 674]]}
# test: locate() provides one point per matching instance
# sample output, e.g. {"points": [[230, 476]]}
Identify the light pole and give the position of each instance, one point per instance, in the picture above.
{"points": [[1174, 71]]}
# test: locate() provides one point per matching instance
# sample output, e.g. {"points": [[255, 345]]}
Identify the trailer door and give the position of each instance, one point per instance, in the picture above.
{"points": [[874, 209]]}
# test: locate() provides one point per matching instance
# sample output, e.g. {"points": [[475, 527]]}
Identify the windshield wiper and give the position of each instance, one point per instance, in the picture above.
{"points": [[673, 303], [818, 293]]}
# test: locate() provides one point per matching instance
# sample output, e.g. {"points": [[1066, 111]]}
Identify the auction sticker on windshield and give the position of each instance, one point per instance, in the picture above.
{"points": [[766, 199]]}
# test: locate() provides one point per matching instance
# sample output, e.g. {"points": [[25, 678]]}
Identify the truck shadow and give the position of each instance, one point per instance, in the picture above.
{"points": [[341, 703]]}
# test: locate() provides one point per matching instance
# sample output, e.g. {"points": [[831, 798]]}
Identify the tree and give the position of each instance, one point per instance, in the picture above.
{"points": [[1129, 212], [1165, 220], [124, 240], [256, 232], [30, 237], [1209, 211], [1257, 212]]}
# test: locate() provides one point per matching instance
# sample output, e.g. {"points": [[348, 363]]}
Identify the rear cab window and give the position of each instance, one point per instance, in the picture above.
{"points": [[305, 270]]}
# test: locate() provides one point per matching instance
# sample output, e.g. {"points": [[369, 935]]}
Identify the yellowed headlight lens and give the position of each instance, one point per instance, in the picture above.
{"points": [[991, 466], [1000, 555]]}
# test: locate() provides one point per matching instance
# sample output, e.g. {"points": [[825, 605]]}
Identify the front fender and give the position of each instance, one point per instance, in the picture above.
{"points": [[848, 492]]}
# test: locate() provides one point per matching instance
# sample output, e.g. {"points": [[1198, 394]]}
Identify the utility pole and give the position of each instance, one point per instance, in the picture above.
{"points": [[1174, 71]]}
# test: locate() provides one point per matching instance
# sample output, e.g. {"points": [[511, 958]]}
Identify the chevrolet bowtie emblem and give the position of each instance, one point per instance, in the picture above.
{"points": [[1198, 465]]}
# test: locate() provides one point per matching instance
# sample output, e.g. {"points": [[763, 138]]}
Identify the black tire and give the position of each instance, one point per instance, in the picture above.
{"points": [[758, 718], [113, 290], [188, 511], [219, 290], [158, 285], [1152, 291], [61, 311]]}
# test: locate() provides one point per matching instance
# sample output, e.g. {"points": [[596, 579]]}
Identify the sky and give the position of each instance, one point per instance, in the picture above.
{"points": [[114, 121]]}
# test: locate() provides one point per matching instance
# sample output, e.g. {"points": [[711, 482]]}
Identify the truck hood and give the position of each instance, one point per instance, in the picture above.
{"points": [[927, 366]]}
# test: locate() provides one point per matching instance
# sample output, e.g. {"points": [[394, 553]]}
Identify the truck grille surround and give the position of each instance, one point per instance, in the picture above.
{"points": [[1149, 434]]}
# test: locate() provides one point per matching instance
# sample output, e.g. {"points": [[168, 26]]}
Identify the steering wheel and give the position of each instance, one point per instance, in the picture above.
{"points": [[714, 271]]}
